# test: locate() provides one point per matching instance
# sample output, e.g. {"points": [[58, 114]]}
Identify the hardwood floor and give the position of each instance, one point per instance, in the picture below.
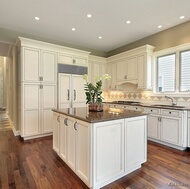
{"points": [[33, 164]]}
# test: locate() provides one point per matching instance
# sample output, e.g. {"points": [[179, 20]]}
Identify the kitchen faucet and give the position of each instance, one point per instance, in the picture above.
{"points": [[172, 99]]}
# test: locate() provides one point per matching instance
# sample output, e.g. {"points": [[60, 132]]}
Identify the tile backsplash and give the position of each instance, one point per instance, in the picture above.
{"points": [[144, 97]]}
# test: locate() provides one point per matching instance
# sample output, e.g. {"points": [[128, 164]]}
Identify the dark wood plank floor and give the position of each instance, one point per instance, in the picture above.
{"points": [[33, 164]]}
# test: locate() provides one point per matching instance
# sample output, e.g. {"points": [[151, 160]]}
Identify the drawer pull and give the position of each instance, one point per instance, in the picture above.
{"points": [[151, 110], [170, 112]]}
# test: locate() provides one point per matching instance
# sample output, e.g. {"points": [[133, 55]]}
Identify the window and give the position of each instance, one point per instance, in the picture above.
{"points": [[166, 68], [185, 71]]}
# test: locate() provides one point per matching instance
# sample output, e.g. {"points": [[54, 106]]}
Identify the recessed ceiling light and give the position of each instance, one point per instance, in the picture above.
{"points": [[181, 17], [37, 18], [89, 15], [128, 22], [73, 29], [160, 26], [100, 37]]}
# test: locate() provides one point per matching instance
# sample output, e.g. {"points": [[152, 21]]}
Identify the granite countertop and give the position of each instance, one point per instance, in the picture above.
{"points": [[163, 106], [95, 117]]}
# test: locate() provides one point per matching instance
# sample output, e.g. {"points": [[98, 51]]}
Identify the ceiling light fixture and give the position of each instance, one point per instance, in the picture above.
{"points": [[37, 18], [181, 17], [73, 29], [100, 37], [160, 26], [89, 15], [128, 22]]}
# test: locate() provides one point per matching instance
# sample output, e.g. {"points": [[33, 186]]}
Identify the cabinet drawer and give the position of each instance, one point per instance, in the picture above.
{"points": [[152, 110], [136, 108], [174, 113]]}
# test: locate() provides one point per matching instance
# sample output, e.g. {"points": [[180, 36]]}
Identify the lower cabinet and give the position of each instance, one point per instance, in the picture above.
{"points": [[37, 103], [167, 126], [188, 129], [100, 153], [71, 143]]}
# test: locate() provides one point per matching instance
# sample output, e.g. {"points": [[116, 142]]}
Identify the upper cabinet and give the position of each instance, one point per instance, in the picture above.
{"points": [[74, 58], [38, 65], [127, 70], [96, 68], [133, 66]]}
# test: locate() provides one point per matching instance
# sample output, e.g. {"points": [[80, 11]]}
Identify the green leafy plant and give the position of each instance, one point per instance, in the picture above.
{"points": [[94, 91]]}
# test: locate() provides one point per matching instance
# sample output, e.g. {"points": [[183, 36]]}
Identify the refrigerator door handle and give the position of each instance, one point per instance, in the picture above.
{"points": [[74, 94], [68, 94]]}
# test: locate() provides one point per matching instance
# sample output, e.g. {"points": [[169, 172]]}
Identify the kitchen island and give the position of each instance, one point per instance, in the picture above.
{"points": [[100, 147]]}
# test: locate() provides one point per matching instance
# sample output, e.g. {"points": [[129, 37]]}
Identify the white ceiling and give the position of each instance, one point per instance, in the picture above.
{"points": [[58, 17]]}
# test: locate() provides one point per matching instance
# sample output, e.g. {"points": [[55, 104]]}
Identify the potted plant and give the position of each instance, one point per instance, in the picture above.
{"points": [[94, 92]]}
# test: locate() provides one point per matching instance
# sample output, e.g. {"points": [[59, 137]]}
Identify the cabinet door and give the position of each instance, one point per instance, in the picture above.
{"points": [[188, 132], [65, 58], [78, 93], [31, 64], [31, 110], [112, 71], [135, 142], [56, 120], [83, 151], [108, 150], [132, 68], [48, 102], [71, 144], [171, 130], [153, 126], [64, 91], [49, 66], [80, 61], [121, 70], [63, 137]]}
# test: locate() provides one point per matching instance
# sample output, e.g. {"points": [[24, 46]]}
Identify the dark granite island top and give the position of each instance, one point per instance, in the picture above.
{"points": [[95, 117]]}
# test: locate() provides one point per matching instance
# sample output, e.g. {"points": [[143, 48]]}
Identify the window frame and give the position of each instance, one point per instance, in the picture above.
{"points": [[174, 50]]}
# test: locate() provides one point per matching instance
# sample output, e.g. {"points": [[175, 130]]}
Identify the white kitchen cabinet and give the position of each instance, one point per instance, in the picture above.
{"points": [[188, 135], [37, 103], [71, 91], [145, 68], [167, 126], [127, 70], [112, 71], [96, 68], [71, 143], [135, 138], [73, 59], [38, 65], [90, 151], [56, 131]]}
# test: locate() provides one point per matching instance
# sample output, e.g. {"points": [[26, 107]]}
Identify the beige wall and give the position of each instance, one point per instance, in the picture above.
{"points": [[174, 36]]}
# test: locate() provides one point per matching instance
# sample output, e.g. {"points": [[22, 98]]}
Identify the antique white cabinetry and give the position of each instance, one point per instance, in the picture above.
{"points": [[111, 70], [37, 81], [71, 91], [96, 67], [188, 129], [127, 70], [133, 66], [90, 151], [168, 126], [38, 65], [78, 58], [71, 143]]}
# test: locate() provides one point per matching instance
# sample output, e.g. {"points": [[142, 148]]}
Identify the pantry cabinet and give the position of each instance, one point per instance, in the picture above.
{"points": [[38, 65], [38, 100]]}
